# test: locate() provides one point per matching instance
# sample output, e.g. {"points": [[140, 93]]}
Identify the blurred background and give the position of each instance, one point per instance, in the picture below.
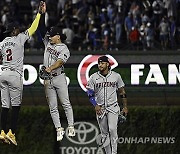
{"points": [[142, 37]]}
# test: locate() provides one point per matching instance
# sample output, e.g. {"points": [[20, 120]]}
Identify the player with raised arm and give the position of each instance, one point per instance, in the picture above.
{"points": [[11, 81], [102, 90], [56, 55]]}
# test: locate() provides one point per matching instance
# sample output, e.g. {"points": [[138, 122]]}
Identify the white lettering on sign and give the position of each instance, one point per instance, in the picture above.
{"points": [[32, 74], [136, 72], [173, 74], [155, 74]]}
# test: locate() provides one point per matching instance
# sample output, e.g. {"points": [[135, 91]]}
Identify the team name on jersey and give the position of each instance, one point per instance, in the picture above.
{"points": [[53, 51], [105, 84], [8, 44]]}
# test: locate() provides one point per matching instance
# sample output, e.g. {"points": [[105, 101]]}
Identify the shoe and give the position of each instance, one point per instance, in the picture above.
{"points": [[71, 131], [3, 137], [60, 133], [11, 137]]}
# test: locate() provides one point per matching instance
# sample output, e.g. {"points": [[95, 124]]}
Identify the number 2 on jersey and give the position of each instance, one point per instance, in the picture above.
{"points": [[9, 54]]}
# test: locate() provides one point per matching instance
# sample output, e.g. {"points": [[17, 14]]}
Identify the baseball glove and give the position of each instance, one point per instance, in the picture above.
{"points": [[121, 118], [43, 74]]}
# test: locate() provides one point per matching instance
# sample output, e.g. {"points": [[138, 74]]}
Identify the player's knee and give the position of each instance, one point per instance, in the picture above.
{"points": [[53, 110], [112, 129], [66, 105]]}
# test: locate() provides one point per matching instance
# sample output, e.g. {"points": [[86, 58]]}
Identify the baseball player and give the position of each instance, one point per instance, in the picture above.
{"points": [[11, 83], [56, 55], [102, 91]]}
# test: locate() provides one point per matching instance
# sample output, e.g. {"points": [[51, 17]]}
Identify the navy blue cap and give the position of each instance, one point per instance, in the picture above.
{"points": [[57, 31], [103, 59]]}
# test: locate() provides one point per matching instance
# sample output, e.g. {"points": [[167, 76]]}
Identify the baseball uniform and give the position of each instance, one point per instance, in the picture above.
{"points": [[105, 89], [57, 86], [11, 81]]}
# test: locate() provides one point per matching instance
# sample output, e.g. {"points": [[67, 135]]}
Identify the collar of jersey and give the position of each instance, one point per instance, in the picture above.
{"points": [[106, 75]]}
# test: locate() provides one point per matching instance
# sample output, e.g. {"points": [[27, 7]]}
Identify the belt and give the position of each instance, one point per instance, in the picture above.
{"points": [[56, 74], [7, 69], [115, 104]]}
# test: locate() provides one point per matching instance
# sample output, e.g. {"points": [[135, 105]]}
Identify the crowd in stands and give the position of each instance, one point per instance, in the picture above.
{"points": [[103, 24]]}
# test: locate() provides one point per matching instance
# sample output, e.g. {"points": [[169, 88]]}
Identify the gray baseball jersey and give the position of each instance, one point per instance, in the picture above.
{"points": [[12, 52], [57, 84], [53, 53], [105, 87]]}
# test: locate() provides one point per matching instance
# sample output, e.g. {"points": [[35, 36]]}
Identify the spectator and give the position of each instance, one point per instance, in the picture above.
{"points": [[34, 5], [170, 7], [103, 16], [89, 37], [118, 27], [25, 21], [90, 15], [146, 4], [105, 33], [119, 4], [142, 36], [96, 39], [110, 13], [149, 34], [5, 15], [81, 13], [172, 32], [158, 8], [70, 35], [144, 18], [164, 31], [134, 36], [128, 24], [60, 6]]}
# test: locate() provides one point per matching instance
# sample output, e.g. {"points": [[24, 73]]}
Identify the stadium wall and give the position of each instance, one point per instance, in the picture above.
{"points": [[163, 93]]}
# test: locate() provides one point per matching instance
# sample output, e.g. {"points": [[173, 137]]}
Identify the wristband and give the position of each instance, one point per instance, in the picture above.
{"points": [[91, 96], [93, 101]]}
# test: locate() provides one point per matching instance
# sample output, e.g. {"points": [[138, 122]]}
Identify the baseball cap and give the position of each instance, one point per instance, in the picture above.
{"points": [[11, 26], [57, 31], [103, 59]]}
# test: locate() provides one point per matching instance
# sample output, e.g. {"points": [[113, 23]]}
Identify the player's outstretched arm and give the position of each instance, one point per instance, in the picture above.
{"points": [[42, 9], [124, 100]]}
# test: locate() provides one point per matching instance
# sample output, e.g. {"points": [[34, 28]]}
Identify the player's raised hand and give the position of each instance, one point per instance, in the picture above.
{"points": [[42, 7]]}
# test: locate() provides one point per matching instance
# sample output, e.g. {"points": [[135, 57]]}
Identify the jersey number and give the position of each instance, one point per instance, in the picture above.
{"points": [[9, 54]]}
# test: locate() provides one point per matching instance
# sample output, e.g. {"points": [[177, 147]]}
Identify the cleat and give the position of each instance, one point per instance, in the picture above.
{"points": [[60, 133], [11, 137], [71, 131], [3, 137], [6, 141]]}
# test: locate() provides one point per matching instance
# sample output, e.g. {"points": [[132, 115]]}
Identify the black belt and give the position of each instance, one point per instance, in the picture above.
{"points": [[7, 69], [56, 74], [115, 104]]}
